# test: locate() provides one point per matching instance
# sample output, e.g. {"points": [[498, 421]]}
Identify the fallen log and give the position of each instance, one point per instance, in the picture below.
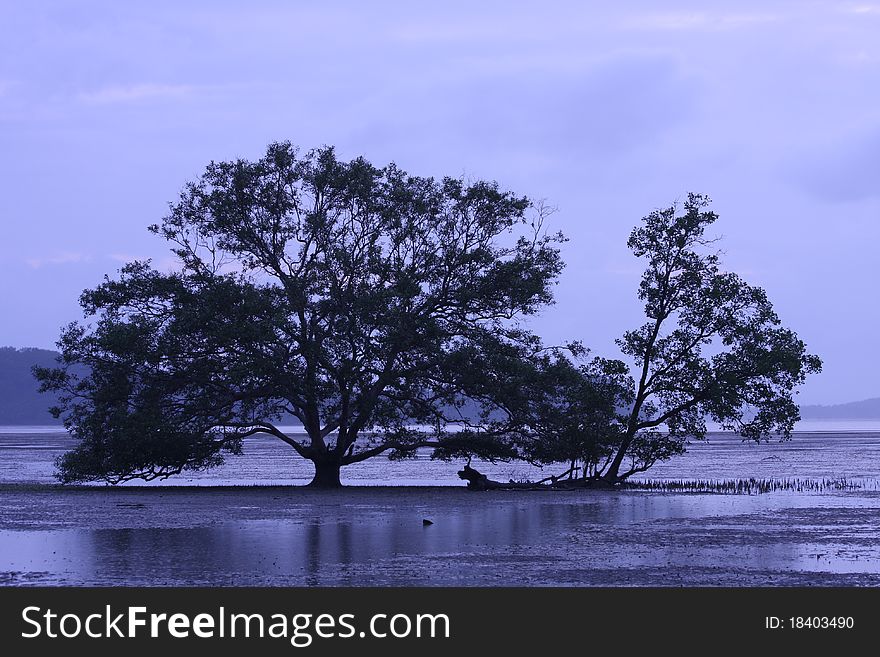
{"points": [[476, 480]]}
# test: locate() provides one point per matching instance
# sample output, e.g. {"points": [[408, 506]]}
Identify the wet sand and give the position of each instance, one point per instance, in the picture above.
{"points": [[289, 536]]}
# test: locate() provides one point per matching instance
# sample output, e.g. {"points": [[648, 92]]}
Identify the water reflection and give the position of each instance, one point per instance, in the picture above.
{"points": [[494, 542], [170, 536]]}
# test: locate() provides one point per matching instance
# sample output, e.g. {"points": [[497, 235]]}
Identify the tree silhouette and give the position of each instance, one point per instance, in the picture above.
{"points": [[564, 411], [712, 347], [336, 292]]}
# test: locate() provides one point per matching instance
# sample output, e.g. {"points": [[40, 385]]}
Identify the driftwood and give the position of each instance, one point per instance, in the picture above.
{"points": [[478, 481]]}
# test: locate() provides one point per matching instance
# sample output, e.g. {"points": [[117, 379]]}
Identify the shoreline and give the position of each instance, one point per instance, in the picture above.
{"points": [[649, 487]]}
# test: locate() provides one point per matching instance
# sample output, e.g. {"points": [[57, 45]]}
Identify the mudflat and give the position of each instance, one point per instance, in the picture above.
{"points": [[371, 535]]}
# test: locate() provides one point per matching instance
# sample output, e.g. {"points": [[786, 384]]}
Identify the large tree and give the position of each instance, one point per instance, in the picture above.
{"points": [[712, 347], [340, 293]]}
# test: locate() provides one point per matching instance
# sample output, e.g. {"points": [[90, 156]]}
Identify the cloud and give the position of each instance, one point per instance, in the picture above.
{"points": [[164, 264], [134, 93], [844, 171], [126, 257], [63, 258], [864, 9], [697, 21], [612, 107]]}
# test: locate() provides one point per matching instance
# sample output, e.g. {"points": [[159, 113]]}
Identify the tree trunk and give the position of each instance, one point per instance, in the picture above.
{"points": [[326, 474], [611, 474]]}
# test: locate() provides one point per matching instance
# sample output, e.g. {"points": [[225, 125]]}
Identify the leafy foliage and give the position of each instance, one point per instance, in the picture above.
{"points": [[337, 292], [712, 346], [571, 413]]}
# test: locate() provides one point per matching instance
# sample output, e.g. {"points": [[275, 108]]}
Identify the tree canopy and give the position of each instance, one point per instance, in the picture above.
{"points": [[340, 293], [712, 346], [570, 412], [383, 312]]}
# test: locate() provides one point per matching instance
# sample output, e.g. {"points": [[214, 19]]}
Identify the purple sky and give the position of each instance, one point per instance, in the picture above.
{"points": [[772, 109]]}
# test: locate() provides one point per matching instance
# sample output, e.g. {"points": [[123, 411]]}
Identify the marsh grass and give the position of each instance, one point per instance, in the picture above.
{"points": [[750, 486]]}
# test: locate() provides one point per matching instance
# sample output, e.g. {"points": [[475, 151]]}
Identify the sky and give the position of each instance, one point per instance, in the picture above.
{"points": [[606, 110]]}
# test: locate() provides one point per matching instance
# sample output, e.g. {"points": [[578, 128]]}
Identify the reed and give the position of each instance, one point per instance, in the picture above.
{"points": [[750, 486]]}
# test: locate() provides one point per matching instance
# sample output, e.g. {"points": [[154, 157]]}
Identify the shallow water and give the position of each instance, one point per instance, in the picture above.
{"points": [[29, 458], [376, 536], [173, 535]]}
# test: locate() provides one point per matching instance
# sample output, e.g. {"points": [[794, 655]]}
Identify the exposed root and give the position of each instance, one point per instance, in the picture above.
{"points": [[478, 481]]}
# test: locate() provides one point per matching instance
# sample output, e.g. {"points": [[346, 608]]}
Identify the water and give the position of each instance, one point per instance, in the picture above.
{"points": [[374, 535], [27, 455]]}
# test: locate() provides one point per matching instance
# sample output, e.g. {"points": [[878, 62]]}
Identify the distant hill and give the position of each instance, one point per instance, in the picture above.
{"points": [[867, 409], [20, 403]]}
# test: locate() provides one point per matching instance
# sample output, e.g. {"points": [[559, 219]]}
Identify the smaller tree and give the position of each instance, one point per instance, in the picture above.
{"points": [[539, 405], [712, 347], [570, 414]]}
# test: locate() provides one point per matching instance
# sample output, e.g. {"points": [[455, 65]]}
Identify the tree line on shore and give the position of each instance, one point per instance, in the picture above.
{"points": [[387, 313]]}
